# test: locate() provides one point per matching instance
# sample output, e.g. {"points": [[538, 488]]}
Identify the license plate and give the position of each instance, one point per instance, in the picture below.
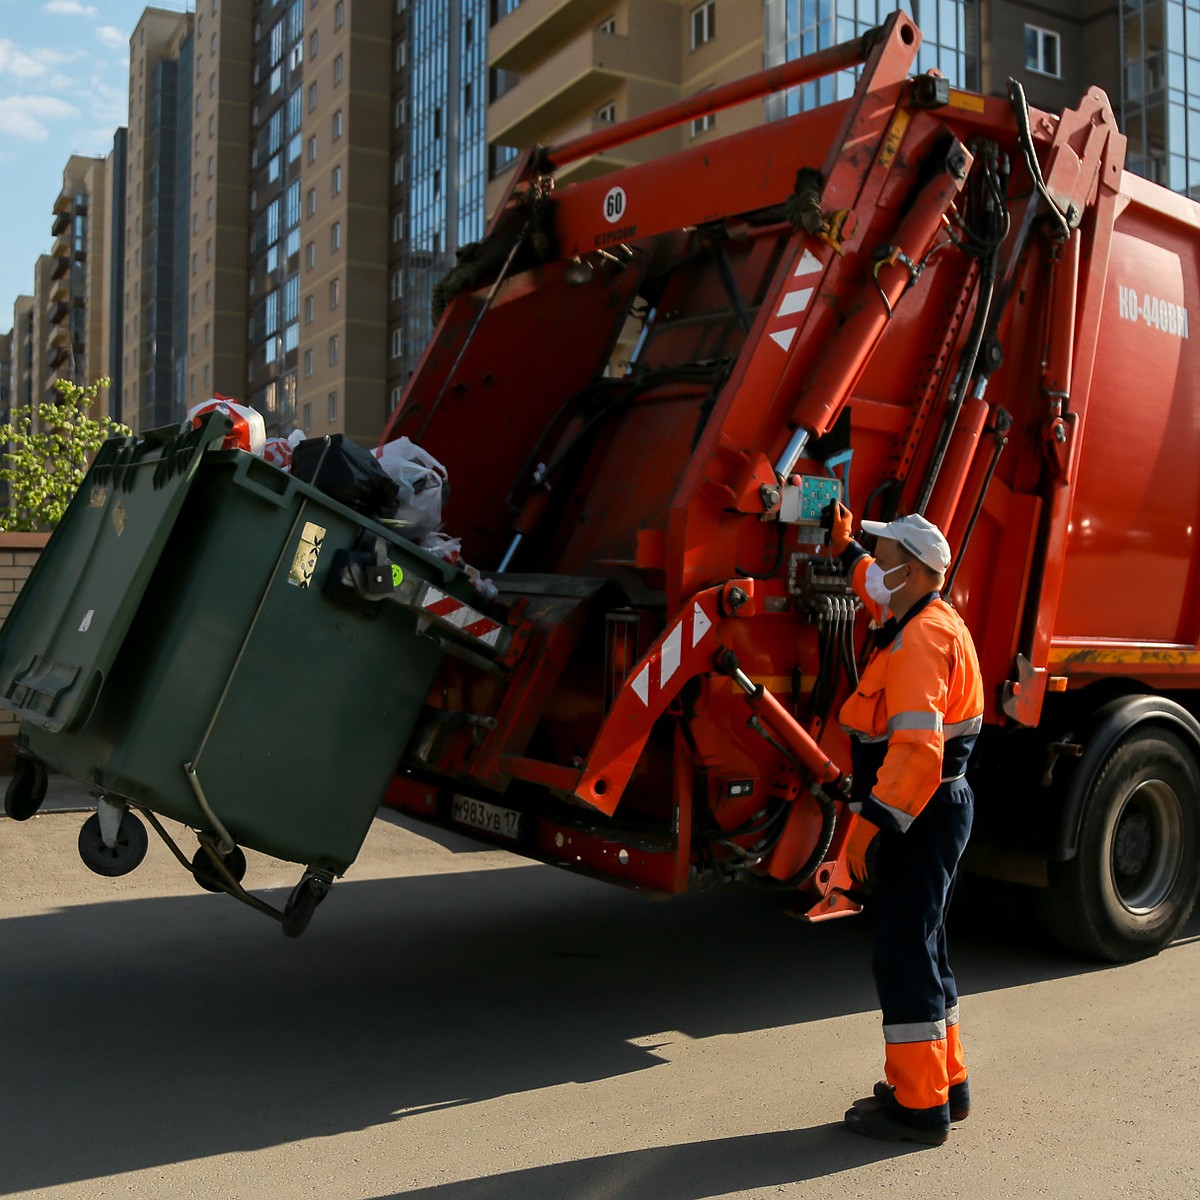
{"points": [[491, 818]]}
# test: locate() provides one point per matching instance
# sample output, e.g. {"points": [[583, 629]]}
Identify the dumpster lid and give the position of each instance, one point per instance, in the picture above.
{"points": [[73, 613]]}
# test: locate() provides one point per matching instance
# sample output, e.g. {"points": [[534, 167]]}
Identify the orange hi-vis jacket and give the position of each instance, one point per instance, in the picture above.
{"points": [[918, 706]]}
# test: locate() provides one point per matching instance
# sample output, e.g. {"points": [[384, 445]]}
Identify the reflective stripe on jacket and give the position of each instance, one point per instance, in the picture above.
{"points": [[919, 705]]}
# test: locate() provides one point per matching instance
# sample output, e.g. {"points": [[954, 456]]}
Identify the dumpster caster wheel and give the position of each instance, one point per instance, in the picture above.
{"points": [[26, 790], [127, 851], [206, 873], [302, 903]]}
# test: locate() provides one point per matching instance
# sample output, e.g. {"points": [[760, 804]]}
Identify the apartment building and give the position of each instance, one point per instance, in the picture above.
{"points": [[334, 215], [24, 367], [113, 307], [78, 289], [158, 128], [6, 373], [562, 68]]}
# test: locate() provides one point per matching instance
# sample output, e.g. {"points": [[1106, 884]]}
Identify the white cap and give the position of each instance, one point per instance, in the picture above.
{"points": [[921, 538]]}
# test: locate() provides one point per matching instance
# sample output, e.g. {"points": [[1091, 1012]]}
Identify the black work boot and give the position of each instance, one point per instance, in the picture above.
{"points": [[883, 1117], [960, 1098]]}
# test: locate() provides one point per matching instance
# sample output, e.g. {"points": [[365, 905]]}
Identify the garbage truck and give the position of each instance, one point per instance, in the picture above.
{"points": [[649, 386]]}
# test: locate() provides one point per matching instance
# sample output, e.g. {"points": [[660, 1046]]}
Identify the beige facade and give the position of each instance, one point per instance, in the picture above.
{"points": [[1087, 41], [582, 64], [343, 348], [51, 286]]}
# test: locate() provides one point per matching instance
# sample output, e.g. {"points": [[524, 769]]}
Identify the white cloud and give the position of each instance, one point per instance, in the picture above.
{"points": [[26, 117], [69, 8], [110, 35], [18, 63]]}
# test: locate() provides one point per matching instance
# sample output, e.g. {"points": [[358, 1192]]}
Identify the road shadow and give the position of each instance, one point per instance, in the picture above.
{"points": [[153, 1031], [690, 1171]]}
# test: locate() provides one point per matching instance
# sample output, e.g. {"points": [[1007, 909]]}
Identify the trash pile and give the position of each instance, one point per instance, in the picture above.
{"points": [[398, 484]]}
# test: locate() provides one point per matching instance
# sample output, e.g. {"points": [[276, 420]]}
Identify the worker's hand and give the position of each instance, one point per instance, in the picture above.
{"points": [[860, 850], [839, 531]]}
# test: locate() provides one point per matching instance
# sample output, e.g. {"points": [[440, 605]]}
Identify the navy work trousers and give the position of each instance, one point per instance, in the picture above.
{"points": [[914, 880]]}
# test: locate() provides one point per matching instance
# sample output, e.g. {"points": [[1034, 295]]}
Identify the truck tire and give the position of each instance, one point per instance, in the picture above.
{"points": [[1133, 881]]}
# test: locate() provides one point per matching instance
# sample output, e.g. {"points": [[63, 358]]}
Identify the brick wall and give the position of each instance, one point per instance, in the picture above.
{"points": [[18, 553]]}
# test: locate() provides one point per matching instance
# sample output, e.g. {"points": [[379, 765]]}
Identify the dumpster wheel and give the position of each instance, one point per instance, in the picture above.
{"points": [[302, 903], [26, 789], [129, 843], [209, 875]]}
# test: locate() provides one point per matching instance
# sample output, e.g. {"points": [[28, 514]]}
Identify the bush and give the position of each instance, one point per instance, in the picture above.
{"points": [[47, 449]]}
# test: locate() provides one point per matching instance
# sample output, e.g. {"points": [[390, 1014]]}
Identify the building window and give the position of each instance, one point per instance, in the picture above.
{"points": [[337, 124], [704, 23], [608, 25], [335, 236], [312, 148], [310, 256], [397, 343], [339, 14], [333, 350], [398, 170], [703, 124], [335, 181], [312, 45], [401, 55], [397, 227], [312, 96], [334, 293], [397, 285], [337, 69], [308, 310], [308, 364], [1042, 51], [307, 422], [607, 112], [311, 202], [332, 407]]}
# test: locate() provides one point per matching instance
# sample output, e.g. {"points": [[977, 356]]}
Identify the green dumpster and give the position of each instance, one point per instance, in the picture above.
{"points": [[179, 647]]}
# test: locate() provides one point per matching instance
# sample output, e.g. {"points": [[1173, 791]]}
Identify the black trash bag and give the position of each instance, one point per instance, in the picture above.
{"points": [[347, 473]]}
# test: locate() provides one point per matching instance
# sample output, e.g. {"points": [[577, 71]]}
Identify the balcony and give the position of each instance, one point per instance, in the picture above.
{"points": [[62, 267], [582, 75], [58, 312], [538, 28], [62, 222], [56, 356]]}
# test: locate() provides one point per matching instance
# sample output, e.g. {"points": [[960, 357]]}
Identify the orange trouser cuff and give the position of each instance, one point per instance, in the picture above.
{"points": [[956, 1068], [917, 1070]]}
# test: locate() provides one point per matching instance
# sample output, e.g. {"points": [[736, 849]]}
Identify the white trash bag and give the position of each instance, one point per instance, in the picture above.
{"points": [[420, 477]]}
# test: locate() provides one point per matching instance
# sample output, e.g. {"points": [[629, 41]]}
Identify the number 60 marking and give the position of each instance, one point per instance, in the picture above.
{"points": [[614, 205]]}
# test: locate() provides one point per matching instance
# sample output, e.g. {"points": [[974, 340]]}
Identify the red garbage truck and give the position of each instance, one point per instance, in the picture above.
{"points": [[648, 386]]}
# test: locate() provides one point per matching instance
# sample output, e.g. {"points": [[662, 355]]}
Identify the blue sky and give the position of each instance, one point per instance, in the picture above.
{"points": [[64, 67]]}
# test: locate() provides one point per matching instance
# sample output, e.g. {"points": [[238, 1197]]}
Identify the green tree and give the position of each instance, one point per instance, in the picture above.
{"points": [[46, 451]]}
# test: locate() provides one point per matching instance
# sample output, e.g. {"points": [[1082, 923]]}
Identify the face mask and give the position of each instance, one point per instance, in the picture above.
{"points": [[877, 589]]}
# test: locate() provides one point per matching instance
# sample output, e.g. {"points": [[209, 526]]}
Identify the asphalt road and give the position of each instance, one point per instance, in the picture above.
{"points": [[459, 1025]]}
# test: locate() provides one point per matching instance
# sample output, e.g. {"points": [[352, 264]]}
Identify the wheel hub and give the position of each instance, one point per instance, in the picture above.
{"points": [[1147, 846]]}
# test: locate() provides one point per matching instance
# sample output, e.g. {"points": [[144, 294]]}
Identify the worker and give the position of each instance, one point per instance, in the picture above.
{"points": [[912, 722]]}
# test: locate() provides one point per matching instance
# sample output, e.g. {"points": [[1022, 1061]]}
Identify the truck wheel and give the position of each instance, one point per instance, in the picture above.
{"points": [[1136, 871]]}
